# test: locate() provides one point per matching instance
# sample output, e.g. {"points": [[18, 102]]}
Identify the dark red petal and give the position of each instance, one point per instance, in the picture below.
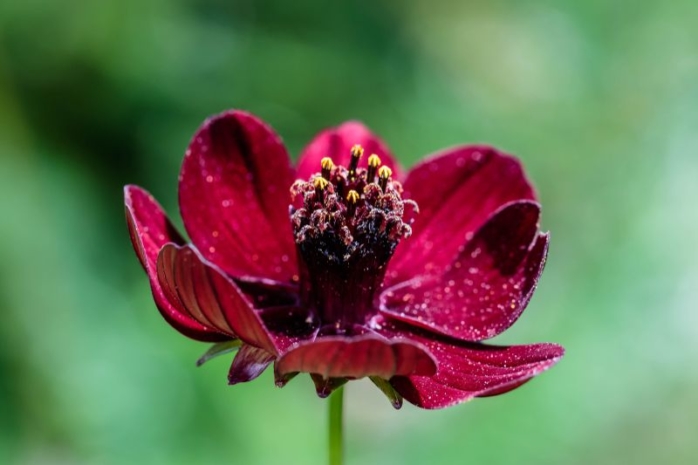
{"points": [[249, 363], [150, 230], [486, 288], [207, 293], [234, 197], [264, 293], [467, 370], [337, 357], [184, 280], [336, 143], [457, 191], [289, 325]]}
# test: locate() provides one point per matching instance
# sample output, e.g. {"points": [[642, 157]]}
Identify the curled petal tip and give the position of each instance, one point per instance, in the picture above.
{"points": [[326, 386], [282, 380]]}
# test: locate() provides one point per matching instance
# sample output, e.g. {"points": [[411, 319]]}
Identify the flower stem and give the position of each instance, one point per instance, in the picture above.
{"points": [[336, 427]]}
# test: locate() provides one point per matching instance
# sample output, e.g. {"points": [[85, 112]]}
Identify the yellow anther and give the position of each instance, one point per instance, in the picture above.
{"points": [[320, 186], [384, 172], [327, 166], [327, 163], [352, 196], [320, 183], [357, 151], [352, 201], [373, 163]]}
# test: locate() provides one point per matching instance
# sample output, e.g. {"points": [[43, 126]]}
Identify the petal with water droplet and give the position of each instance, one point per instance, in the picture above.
{"points": [[457, 190], [234, 196], [486, 288], [150, 230]]}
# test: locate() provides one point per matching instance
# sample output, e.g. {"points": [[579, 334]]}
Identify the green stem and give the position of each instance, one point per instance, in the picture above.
{"points": [[336, 427]]}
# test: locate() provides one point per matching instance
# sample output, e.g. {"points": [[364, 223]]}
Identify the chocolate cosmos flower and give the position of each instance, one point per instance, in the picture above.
{"points": [[345, 268]]}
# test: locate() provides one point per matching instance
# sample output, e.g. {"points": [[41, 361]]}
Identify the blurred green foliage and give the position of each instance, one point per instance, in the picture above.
{"points": [[598, 98]]}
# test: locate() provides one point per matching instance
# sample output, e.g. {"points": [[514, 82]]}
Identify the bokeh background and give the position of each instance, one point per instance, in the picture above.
{"points": [[598, 98]]}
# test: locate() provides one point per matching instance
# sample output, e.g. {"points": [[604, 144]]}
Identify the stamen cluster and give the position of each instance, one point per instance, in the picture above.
{"points": [[345, 210]]}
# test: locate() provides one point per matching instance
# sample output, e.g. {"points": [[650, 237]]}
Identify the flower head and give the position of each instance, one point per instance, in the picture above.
{"points": [[344, 268]]}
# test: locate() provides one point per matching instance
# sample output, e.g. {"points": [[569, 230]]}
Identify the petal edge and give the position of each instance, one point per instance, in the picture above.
{"points": [[150, 229], [339, 357], [234, 196]]}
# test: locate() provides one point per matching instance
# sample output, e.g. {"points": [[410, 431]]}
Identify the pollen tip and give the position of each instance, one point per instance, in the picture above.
{"points": [[353, 196], [384, 174], [357, 151], [373, 163], [326, 163], [320, 183]]}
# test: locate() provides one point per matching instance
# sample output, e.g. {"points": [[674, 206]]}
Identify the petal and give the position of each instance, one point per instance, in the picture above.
{"points": [[249, 363], [234, 197], [336, 143], [289, 325], [264, 293], [468, 370], [183, 280], [150, 230], [210, 296], [457, 191], [338, 357], [486, 288]]}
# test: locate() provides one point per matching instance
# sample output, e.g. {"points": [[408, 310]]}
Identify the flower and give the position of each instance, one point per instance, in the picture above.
{"points": [[353, 274]]}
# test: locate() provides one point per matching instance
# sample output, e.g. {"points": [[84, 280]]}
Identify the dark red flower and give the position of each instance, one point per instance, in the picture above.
{"points": [[360, 275]]}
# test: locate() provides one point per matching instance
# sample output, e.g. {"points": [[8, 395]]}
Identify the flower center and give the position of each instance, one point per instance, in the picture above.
{"points": [[346, 230]]}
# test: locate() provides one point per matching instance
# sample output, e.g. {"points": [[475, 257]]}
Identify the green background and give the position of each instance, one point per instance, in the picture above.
{"points": [[598, 98]]}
